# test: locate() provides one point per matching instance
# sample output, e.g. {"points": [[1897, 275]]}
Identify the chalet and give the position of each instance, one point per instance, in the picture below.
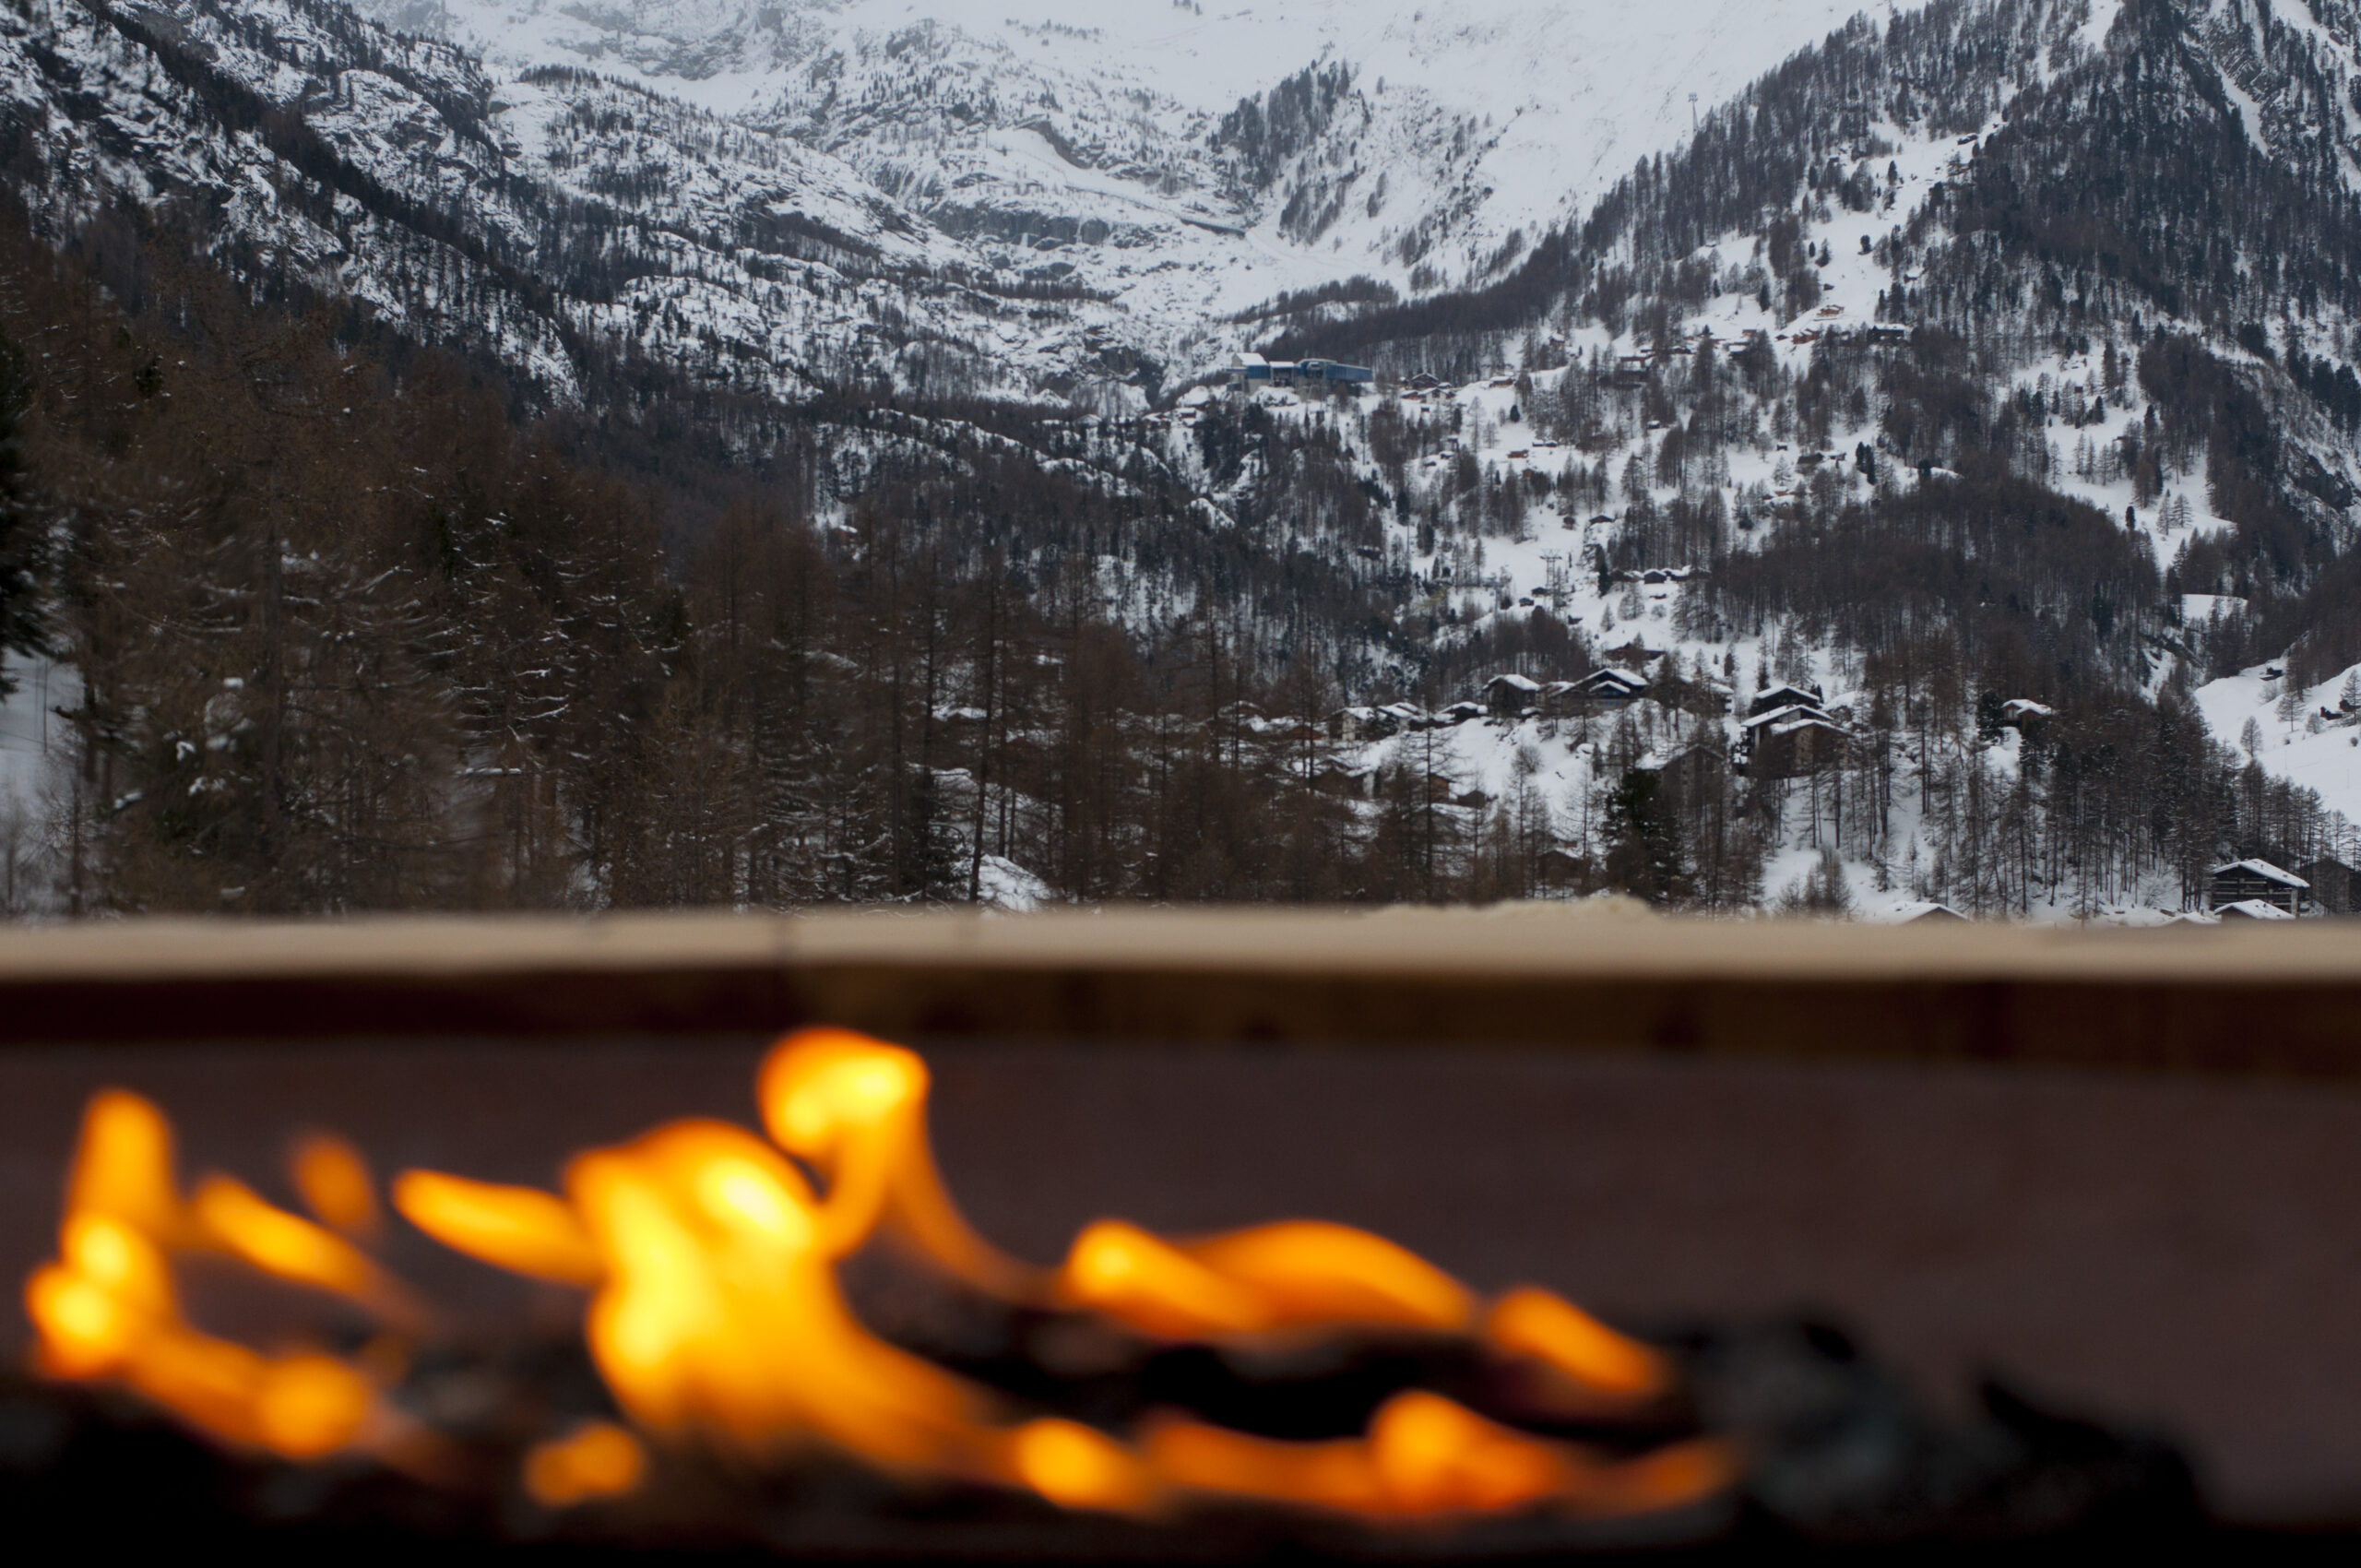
{"points": [[2243, 882], [1793, 742], [2332, 885], [1607, 686], [1937, 914], [1508, 695], [1362, 724], [1689, 772], [2028, 718], [1408, 716], [1560, 867], [1775, 697], [1333, 777], [2251, 909]]}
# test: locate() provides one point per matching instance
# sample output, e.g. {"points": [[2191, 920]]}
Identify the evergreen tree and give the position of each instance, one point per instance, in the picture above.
{"points": [[1643, 853]]}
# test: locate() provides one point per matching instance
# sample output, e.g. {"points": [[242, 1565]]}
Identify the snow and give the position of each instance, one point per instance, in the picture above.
{"points": [[2252, 909], [1075, 134], [1008, 886], [2327, 760], [32, 738], [2262, 869]]}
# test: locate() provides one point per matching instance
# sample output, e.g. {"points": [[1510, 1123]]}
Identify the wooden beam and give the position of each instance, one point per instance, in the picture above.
{"points": [[2267, 999]]}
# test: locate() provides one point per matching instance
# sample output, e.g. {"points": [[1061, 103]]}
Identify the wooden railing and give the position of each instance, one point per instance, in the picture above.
{"points": [[2266, 999]]}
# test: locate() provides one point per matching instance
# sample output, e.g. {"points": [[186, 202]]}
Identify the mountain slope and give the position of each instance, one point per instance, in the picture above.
{"points": [[1188, 164]]}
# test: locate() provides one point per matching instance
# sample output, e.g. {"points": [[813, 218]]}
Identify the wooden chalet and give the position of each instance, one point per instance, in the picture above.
{"points": [[1687, 772], [1794, 742], [2252, 909], [2258, 882], [1775, 697], [1505, 696], [1609, 686]]}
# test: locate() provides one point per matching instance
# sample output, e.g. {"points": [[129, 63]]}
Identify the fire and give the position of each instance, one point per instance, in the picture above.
{"points": [[713, 1313], [108, 1306]]}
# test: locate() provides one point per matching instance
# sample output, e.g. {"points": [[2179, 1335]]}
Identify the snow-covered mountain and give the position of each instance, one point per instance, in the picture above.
{"points": [[1187, 163]]}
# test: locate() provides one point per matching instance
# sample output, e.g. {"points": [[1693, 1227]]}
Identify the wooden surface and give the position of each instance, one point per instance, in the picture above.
{"points": [[2263, 999]]}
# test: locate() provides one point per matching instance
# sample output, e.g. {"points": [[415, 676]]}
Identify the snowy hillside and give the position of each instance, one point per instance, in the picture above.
{"points": [[1102, 143]]}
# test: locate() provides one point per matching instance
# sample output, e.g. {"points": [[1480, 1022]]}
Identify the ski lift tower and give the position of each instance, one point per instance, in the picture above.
{"points": [[1558, 578]]}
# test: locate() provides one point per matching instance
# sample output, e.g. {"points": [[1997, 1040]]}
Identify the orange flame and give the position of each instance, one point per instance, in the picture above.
{"points": [[335, 1185], [598, 1459], [109, 1307], [715, 1314]]}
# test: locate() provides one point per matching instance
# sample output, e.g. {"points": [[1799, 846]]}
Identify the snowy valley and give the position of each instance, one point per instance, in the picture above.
{"points": [[1813, 461]]}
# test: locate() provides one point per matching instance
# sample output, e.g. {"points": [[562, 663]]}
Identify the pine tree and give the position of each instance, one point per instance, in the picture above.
{"points": [[1643, 853]]}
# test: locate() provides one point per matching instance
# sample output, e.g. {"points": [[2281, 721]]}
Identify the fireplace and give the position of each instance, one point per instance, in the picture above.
{"points": [[1999, 1281]]}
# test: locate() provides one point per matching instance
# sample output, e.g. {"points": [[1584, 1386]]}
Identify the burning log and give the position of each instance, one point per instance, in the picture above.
{"points": [[797, 1339]]}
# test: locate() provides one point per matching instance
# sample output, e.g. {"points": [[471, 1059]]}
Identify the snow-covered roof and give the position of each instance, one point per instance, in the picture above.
{"points": [[1796, 711], [2264, 869], [2025, 708], [1612, 676], [1807, 718], [1249, 358], [2253, 909], [1514, 683]]}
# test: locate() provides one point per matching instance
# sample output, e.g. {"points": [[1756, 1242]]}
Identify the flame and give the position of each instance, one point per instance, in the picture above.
{"points": [[598, 1459], [517, 1228], [1271, 1276], [855, 1110], [109, 1308], [335, 1185], [1422, 1455], [715, 1315]]}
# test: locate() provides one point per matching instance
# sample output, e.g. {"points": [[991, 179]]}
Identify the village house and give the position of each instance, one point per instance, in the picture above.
{"points": [[1333, 777], [1362, 724], [1606, 686], [2252, 909], [2241, 881], [1774, 697], [1508, 695], [1794, 742], [1687, 772]]}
